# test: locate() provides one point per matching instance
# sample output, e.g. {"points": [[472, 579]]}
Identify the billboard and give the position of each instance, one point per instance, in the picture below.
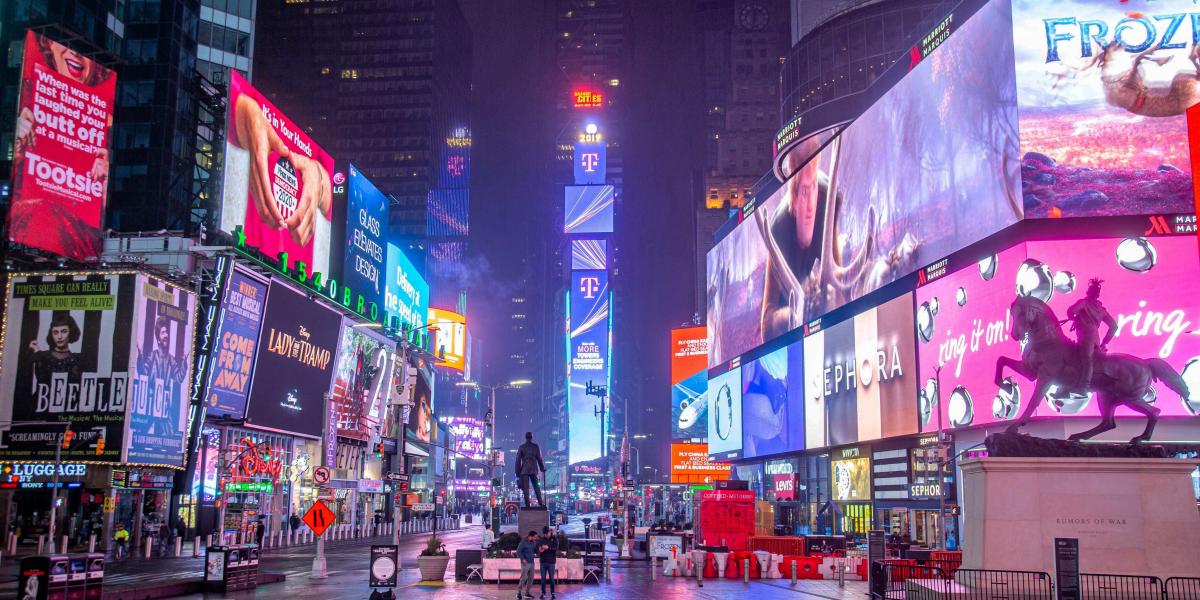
{"points": [[362, 377], [591, 163], [277, 184], [588, 361], [773, 402], [851, 477], [690, 463], [861, 377], [964, 322], [468, 437], [365, 259], [588, 209], [237, 344], [589, 255], [420, 421], [725, 414], [406, 298], [860, 214], [164, 335], [299, 338], [450, 338], [1103, 88], [60, 150], [68, 342], [689, 384]]}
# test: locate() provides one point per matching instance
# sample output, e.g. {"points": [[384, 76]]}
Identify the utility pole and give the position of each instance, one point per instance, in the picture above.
{"points": [[67, 436]]}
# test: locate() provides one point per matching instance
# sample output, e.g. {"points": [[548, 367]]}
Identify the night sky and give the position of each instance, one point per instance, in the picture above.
{"points": [[513, 127]]}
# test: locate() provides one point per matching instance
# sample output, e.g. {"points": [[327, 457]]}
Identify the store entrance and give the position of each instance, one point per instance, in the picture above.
{"points": [[926, 531]]}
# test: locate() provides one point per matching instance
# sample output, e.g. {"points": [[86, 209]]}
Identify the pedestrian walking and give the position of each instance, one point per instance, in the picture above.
{"points": [[121, 537], [489, 537], [296, 522], [527, 551], [548, 553]]}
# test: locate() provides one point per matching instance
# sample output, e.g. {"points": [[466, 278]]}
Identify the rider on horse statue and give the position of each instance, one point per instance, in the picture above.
{"points": [[1086, 316]]}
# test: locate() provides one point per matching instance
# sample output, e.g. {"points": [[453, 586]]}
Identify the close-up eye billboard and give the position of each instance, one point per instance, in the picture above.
{"points": [[277, 185], [861, 213], [60, 150]]}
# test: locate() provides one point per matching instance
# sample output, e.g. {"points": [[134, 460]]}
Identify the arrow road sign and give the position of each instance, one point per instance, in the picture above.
{"points": [[321, 475], [319, 517]]}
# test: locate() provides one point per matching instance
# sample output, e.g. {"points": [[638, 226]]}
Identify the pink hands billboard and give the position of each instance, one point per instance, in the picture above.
{"points": [[1147, 285]]}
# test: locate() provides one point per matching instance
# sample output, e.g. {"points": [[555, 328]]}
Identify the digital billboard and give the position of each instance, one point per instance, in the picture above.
{"points": [[773, 402], [468, 437], [689, 384], [851, 476], [365, 258], [861, 379], [860, 214], [295, 364], [690, 463], [1103, 88], [420, 421], [277, 184], [725, 414], [362, 376], [406, 298], [591, 162], [237, 343], [60, 151], [450, 338], [164, 335], [588, 209], [589, 255], [68, 342], [965, 319], [588, 362]]}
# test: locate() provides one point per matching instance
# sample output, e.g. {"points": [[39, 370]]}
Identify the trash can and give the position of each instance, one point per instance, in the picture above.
{"points": [[95, 576], [228, 568], [43, 577]]}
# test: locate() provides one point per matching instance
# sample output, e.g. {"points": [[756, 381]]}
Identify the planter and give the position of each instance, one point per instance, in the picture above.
{"points": [[433, 568]]}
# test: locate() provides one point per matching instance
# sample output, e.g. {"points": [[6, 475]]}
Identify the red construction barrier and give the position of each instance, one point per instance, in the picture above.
{"points": [[733, 567], [809, 567], [785, 545], [710, 566]]}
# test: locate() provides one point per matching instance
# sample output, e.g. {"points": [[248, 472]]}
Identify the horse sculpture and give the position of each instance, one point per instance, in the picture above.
{"points": [[1049, 358]]}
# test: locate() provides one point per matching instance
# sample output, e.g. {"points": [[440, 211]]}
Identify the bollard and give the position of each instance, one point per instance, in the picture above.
{"points": [[841, 564], [12, 543], [607, 569], [146, 550], [195, 546], [64, 544], [92, 543], [793, 574], [178, 546], [41, 543], [746, 571], [653, 567]]}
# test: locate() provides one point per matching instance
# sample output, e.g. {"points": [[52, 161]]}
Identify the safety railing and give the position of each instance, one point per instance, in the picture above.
{"points": [[1182, 588], [1099, 586]]}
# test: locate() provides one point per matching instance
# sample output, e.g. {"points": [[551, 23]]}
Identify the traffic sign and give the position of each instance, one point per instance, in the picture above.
{"points": [[423, 507], [384, 565], [321, 475], [396, 477], [319, 517]]}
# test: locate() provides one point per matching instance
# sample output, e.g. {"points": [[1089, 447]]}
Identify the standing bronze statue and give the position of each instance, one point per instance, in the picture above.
{"points": [[529, 466]]}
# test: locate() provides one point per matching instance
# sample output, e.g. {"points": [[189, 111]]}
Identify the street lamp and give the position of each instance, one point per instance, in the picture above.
{"points": [[490, 421]]}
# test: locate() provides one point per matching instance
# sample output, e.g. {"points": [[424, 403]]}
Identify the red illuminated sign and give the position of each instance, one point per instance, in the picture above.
{"points": [[588, 98], [256, 462]]}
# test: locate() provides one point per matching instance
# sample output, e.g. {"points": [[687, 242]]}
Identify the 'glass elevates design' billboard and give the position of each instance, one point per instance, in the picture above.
{"points": [[588, 362], [366, 238]]}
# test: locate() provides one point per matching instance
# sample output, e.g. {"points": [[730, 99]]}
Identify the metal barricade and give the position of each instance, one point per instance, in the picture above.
{"points": [[1182, 588], [905, 581], [985, 584], [1096, 586]]}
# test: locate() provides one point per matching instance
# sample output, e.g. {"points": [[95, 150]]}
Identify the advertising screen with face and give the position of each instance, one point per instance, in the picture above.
{"points": [[68, 341], [689, 384], [362, 376], [966, 320], [277, 184], [862, 373], [420, 422], [725, 414], [851, 479], [237, 343], [772, 403], [861, 213], [365, 253], [162, 372], [588, 208], [1103, 88], [60, 153], [299, 338], [588, 353]]}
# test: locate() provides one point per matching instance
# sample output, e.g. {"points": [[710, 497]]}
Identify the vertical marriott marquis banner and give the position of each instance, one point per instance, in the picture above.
{"points": [[277, 185], [237, 343], [588, 348], [295, 364], [164, 328], [366, 237], [67, 348], [61, 150], [689, 384]]}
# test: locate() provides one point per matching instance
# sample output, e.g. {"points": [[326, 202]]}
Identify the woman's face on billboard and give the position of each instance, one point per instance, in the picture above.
{"points": [[70, 63]]}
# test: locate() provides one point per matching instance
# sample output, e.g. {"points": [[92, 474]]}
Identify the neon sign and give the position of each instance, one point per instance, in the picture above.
{"points": [[588, 99], [256, 462]]}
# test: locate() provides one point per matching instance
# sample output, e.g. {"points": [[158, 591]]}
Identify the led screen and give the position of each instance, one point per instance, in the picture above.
{"points": [[588, 361], [852, 479], [590, 162], [365, 259], [60, 151], [773, 403], [861, 377], [690, 463], [589, 254], [689, 384], [406, 299], [588, 209], [362, 375], [468, 437], [237, 344], [1147, 287], [277, 184], [725, 414], [421, 419], [861, 213], [1103, 88], [449, 338]]}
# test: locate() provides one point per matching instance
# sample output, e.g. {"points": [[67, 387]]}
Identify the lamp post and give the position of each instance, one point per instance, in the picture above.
{"points": [[489, 421], [398, 468]]}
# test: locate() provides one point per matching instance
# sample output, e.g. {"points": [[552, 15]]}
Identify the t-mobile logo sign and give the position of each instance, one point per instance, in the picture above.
{"points": [[589, 161], [589, 286]]}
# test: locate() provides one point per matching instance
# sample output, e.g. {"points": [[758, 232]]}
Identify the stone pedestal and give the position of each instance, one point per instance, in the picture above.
{"points": [[532, 519], [1132, 516]]}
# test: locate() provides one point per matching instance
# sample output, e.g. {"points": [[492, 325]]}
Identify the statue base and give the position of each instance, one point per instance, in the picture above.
{"points": [[1019, 444], [532, 518], [1131, 516]]}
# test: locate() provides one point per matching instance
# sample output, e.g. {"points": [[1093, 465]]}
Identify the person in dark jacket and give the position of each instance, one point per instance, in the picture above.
{"points": [[526, 552], [548, 552], [529, 467]]}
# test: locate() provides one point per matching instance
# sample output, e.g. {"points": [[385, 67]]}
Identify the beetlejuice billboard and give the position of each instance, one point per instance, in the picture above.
{"points": [[588, 362]]}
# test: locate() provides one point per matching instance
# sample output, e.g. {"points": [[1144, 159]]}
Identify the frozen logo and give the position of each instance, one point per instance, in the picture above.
{"points": [[285, 185], [1136, 33]]}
